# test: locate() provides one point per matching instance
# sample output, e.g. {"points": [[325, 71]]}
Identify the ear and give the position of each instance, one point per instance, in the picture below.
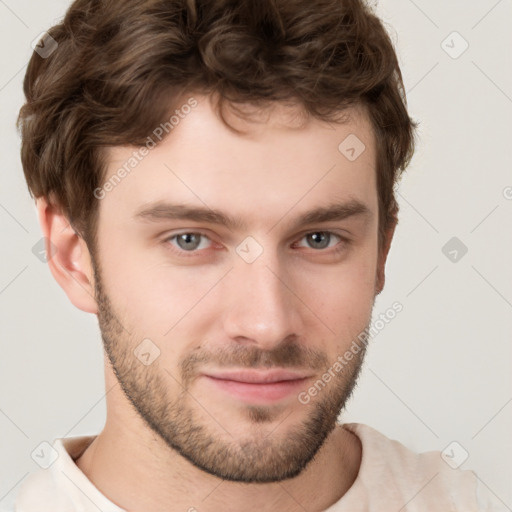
{"points": [[383, 254], [67, 256]]}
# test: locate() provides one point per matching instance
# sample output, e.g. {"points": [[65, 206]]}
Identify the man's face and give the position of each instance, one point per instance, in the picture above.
{"points": [[266, 294]]}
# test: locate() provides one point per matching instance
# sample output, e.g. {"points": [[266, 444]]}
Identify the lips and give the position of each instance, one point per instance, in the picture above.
{"points": [[257, 386], [259, 376]]}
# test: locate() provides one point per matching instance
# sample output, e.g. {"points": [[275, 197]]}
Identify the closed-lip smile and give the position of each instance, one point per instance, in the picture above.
{"points": [[257, 386], [259, 376]]}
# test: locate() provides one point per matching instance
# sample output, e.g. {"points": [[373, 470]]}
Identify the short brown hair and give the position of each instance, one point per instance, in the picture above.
{"points": [[118, 62]]}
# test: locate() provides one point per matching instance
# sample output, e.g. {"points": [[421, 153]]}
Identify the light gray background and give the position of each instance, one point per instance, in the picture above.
{"points": [[439, 372]]}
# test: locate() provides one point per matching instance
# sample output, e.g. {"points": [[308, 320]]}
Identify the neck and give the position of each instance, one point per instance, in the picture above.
{"points": [[145, 474]]}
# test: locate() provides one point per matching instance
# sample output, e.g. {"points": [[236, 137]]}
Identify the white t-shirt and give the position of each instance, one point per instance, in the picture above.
{"points": [[391, 478]]}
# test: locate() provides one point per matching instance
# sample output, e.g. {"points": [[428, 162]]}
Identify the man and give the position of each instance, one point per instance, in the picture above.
{"points": [[268, 136]]}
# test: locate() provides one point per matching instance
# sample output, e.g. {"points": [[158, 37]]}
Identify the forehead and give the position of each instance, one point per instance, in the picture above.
{"points": [[281, 163]]}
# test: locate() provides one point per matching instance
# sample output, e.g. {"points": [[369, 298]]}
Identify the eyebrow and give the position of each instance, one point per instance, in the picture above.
{"points": [[160, 210]]}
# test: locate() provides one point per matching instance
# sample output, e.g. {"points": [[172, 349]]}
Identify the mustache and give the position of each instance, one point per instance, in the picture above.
{"points": [[285, 355]]}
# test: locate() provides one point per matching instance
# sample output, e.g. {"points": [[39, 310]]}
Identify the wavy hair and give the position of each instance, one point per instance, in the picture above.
{"points": [[118, 61]]}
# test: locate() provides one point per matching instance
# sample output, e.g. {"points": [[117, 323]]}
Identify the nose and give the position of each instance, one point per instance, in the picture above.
{"points": [[263, 309]]}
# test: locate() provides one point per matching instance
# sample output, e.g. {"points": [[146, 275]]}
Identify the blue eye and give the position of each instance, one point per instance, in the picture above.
{"points": [[192, 242], [320, 238], [189, 241]]}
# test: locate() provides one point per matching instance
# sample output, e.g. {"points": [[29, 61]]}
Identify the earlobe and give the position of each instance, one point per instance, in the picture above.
{"points": [[67, 256]]}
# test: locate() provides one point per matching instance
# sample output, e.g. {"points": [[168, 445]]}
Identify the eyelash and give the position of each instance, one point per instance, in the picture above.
{"points": [[187, 254]]}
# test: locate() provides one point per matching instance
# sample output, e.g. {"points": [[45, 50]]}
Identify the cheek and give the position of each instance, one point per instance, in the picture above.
{"points": [[158, 301], [350, 301], [150, 296], [343, 296]]}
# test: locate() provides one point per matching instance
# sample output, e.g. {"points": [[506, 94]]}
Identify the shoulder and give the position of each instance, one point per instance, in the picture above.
{"points": [[54, 486], [397, 475], [39, 490]]}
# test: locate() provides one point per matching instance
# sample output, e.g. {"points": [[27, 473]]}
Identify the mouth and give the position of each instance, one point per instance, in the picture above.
{"points": [[258, 386]]}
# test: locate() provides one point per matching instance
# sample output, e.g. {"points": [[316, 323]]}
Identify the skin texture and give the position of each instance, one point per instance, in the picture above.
{"points": [[171, 435]]}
